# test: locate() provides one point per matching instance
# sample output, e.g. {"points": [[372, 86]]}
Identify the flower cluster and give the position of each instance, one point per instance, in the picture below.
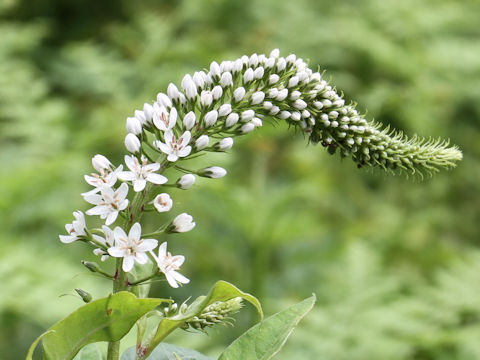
{"points": [[204, 114]]}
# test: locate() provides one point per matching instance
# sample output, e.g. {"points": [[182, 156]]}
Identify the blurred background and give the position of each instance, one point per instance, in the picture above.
{"points": [[395, 263]]}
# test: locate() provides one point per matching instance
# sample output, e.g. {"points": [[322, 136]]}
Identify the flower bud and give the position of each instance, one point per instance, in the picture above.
{"points": [[269, 63], [206, 98], [258, 97], [296, 116], [217, 92], [186, 181], [86, 297], [224, 144], [172, 92], [282, 94], [163, 202], [246, 128], [148, 111], [293, 81], [253, 61], [231, 120], [275, 53], [182, 223], [295, 95], [300, 104], [133, 126], [214, 69], [267, 105], [284, 115], [199, 79], [274, 110], [226, 66], [189, 87], [226, 79], [214, 172], [238, 94], [247, 115], [248, 75], [290, 59], [101, 163], [257, 122], [202, 142], [273, 79], [211, 118], [92, 266], [224, 110], [281, 64], [189, 120], [140, 115], [273, 93], [258, 73], [164, 100], [132, 143]]}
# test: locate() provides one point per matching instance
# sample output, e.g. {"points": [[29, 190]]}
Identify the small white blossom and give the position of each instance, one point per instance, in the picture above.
{"points": [[108, 241], [206, 98], [106, 176], [258, 73], [290, 59], [318, 104], [163, 202], [211, 118], [131, 248], [267, 105], [238, 94], [246, 128], [182, 223], [273, 93], [132, 143], [215, 69], [186, 181], [281, 64], [224, 110], [258, 97], [202, 142], [284, 115], [189, 120], [199, 79], [257, 122], [295, 95], [163, 119], [169, 265], [140, 116], [101, 163], [140, 173], [133, 125], [248, 75], [275, 53], [300, 104], [231, 119], [226, 66], [174, 148], [293, 81], [282, 94], [274, 110], [109, 203], [147, 112], [296, 116], [253, 61], [224, 144], [75, 229], [214, 172], [172, 92], [226, 79], [237, 65]]}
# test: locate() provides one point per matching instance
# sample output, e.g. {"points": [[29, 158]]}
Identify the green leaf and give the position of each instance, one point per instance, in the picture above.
{"points": [[264, 340], [166, 351], [107, 319], [221, 291], [89, 352]]}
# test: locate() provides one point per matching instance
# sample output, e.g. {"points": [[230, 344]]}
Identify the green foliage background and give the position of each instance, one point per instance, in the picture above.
{"points": [[394, 262]]}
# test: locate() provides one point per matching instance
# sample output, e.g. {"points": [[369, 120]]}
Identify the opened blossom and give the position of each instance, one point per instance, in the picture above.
{"points": [[131, 247], [163, 202], [140, 173], [169, 265], [109, 203], [107, 176], [173, 147], [75, 229]]}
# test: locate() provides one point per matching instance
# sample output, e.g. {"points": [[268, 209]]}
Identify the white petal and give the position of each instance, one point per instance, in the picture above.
{"points": [[157, 179], [93, 199], [172, 157], [163, 147], [147, 245], [123, 205], [122, 191], [127, 175], [130, 162], [162, 250], [67, 239], [111, 218], [185, 151], [128, 262], [139, 185], [116, 252], [141, 258], [152, 167], [171, 280], [120, 236], [185, 138], [98, 210], [135, 232], [179, 277]]}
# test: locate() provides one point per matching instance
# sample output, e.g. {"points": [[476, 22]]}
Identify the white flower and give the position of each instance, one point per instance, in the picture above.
{"points": [[237, 65], [133, 125], [284, 114], [238, 94], [139, 174], [295, 95], [231, 120], [175, 148], [282, 94], [75, 229], [182, 223], [163, 202], [199, 79], [206, 98], [163, 119], [131, 248], [270, 63], [226, 79], [189, 120], [100, 163], [186, 181], [132, 143], [273, 93], [215, 69], [109, 203], [108, 241], [281, 64], [224, 110], [267, 105], [202, 142], [214, 172], [274, 110], [246, 128], [258, 97], [189, 86], [169, 265], [224, 144], [258, 73], [257, 121], [211, 118], [300, 104], [253, 61], [172, 92], [147, 113], [293, 81], [275, 53], [273, 79]]}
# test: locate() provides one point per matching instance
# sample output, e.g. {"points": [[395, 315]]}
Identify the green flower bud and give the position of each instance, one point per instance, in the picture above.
{"points": [[86, 297]]}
